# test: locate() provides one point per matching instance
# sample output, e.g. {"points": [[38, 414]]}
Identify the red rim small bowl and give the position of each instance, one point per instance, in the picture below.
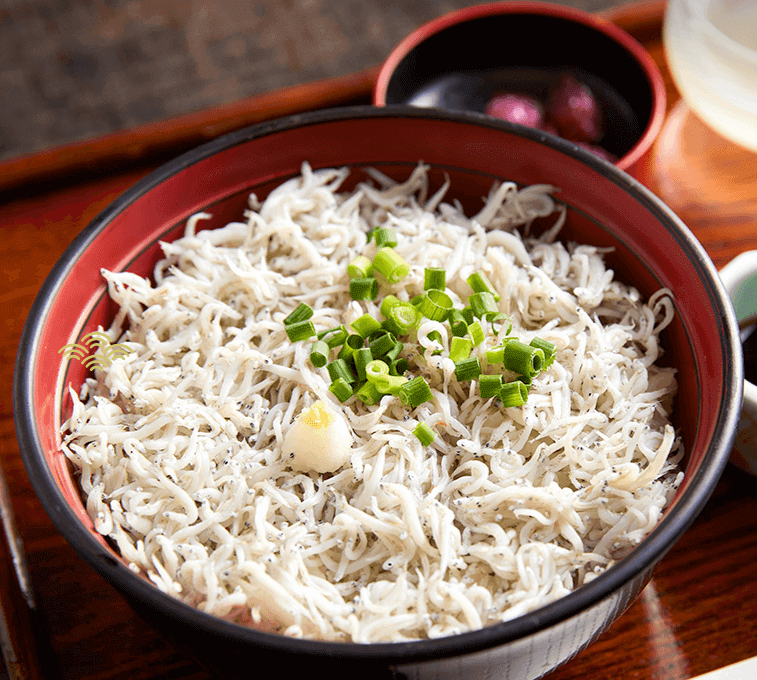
{"points": [[578, 39], [652, 249]]}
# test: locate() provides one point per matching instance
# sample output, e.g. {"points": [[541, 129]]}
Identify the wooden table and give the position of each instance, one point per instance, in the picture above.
{"points": [[699, 612]]}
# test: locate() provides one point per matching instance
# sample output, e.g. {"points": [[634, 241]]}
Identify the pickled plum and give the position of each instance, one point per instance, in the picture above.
{"points": [[574, 111], [571, 112], [516, 108]]}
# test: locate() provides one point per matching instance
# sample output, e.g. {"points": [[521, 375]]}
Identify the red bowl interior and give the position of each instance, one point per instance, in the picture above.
{"points": [[581, 41], [607, 208]]}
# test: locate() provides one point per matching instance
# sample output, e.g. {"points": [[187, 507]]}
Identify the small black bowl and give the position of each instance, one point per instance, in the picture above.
{"points": [[461, 60]]}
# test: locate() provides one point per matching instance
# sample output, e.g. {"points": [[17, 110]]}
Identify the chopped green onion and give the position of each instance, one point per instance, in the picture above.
{"points": [[480, 283], [467, 313], [387, 303], [424, 434], [476, 333], [488, 386], [334, 337], [368, 394], [395, 351], [353, 343], [385, 236], [495, 355], [548, 348], [390, 265], [339, 368], [523, 359], [382, 344], [513, 394], [389, 384], [416, 300], [467, 369], [435, 305], [415, 392], [365, 325], [319, 354], [459, 348], [434, 278], [360, 268], [362, 357], [301, 313], [341, 389], [375, 369], [402, 318], [457, 323], [300, 330], [483, 305], [364, 289], [399, 366]]}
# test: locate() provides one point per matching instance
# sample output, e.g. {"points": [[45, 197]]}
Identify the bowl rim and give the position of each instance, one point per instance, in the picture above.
{"points": [[594, 21], [643, 557]]}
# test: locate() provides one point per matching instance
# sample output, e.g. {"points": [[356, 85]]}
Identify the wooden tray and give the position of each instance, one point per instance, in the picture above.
{"points": [[699, 612]]}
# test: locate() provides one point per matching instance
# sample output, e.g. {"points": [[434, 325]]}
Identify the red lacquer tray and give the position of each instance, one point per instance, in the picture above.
{"points": [[699, 612]]}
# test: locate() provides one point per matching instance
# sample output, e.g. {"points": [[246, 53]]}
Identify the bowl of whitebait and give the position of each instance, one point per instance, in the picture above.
{"points": [[388, 391], [556, 69]]}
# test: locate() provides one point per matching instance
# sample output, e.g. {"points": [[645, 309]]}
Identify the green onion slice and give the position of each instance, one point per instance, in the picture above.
{"points": [[476, 333], [387, 303], [300, 330], [489, 386], [483, 305], [385, 237], [390, 265], [365, 325], [382, 344], [395, 351], [334, 337], [495, 355], [434, 278], [513, 394], [353, 343], [402, 318], [301, 313], [415, 392], [435, 305], [399, 366], [339, 368], [460, 348], [319, 354], [361, 358], [364, 289], [341, 389], [523, 359], [457, 323], [360, 268], [468, 369], [424, 434], [368, 394], [375, 369], [390, 384], [548, 348], [480, 283]]}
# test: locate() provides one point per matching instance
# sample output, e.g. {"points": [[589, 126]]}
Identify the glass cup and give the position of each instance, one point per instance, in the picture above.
{"points": [[704, 164]]}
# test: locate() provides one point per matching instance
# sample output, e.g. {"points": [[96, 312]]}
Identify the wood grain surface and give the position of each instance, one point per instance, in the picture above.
{"points": [[698, 613]]}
